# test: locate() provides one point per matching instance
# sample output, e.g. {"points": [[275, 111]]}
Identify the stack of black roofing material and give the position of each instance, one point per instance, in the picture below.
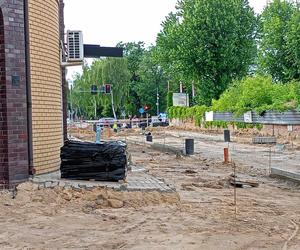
{"points": [[106, 161]]}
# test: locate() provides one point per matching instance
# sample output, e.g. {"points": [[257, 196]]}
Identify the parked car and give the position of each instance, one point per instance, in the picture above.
{"points": [[159, 121]]}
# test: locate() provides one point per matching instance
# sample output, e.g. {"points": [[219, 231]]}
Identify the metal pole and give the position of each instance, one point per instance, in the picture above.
{"points": [[112, 103], [186, 99], [270, 161], [234, 193], [193, 90], [157, 100], [98, 134], [95, 102], [147, 120], [71, 104]]}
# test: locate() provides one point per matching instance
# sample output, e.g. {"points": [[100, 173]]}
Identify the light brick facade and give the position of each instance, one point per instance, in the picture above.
{"points": [[46, 84]]}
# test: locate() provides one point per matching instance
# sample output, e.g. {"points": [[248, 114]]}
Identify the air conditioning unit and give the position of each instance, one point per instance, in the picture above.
{"points": [[74, 46]]}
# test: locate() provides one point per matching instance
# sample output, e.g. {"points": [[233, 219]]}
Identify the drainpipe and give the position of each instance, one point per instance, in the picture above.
{"points": [[28, 89]]}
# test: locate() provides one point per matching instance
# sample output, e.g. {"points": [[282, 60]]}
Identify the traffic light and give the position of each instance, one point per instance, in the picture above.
{"points": [[94, 90], [102, 89], [146, 108], [107, 88]]}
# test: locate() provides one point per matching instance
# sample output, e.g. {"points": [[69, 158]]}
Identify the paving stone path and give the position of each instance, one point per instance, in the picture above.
{"points": [[135, 181]]}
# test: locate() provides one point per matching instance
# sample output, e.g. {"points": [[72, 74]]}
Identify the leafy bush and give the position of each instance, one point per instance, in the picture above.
{"points": [[195, 113], [258, 94]]}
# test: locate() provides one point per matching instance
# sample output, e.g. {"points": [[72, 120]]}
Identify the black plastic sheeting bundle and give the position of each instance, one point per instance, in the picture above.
{"points": [[106, 161]]}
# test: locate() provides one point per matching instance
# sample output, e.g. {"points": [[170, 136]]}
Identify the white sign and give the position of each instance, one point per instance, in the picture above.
{"points": [[209, 116], [248, 117], [181, 99]]}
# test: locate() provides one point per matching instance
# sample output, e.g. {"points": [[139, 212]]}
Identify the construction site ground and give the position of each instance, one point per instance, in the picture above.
{"points": [[201, 214]]}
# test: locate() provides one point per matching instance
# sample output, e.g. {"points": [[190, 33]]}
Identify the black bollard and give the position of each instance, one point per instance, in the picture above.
{"points": [[227, 135], [149, 138], [189, 146]]}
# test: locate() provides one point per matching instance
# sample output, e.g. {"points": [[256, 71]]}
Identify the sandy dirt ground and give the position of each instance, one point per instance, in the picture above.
{"points": [[200, 215], [241, 150]]}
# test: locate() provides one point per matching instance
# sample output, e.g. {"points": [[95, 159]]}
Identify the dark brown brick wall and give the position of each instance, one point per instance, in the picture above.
{"points": [[3, 111], [14, 137], [64, 82]]}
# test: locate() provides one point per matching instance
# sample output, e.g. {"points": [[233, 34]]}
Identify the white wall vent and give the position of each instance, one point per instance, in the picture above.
{"points": [[74, 46]]}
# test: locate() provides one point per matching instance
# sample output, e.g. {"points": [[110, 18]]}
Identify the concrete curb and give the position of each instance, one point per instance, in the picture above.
{"points": [[160, 147], [285, 174], [167, 148]]}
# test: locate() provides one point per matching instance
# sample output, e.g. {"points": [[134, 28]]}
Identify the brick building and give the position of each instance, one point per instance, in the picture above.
{"points": [[32, 88]]}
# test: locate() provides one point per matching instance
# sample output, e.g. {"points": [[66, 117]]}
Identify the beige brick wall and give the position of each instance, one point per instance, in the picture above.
{"points": [[46, 84]]}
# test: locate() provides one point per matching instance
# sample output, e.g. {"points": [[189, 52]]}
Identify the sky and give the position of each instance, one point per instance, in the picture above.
{"points": [[107, 22]]}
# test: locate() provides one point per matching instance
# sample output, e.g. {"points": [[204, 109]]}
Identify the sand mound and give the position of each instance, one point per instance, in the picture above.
{"points": [[88, 200]]}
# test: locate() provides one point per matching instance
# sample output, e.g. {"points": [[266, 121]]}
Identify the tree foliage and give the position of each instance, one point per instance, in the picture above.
{"points": [[213, 45], [151, 80], [279, 53], [146, 77], [208, 42], [110, 70], [135, 79], [134, 53], [260, 94], [195, 113]]}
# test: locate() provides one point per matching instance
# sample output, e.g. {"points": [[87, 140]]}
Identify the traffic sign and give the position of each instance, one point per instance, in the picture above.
{"points": [[142, 110]]}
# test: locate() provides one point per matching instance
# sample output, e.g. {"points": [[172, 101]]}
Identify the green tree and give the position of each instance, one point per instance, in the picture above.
{"points": [[293, 42], [110, 70], [279, 53], [258, 93], [134, 53], [81, 100], [152, 79], [208, 42], [115, 71]]}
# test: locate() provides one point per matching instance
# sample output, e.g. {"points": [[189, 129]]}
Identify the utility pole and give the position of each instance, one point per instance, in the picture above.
{"points": [[157, 100], [157, 94]]}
